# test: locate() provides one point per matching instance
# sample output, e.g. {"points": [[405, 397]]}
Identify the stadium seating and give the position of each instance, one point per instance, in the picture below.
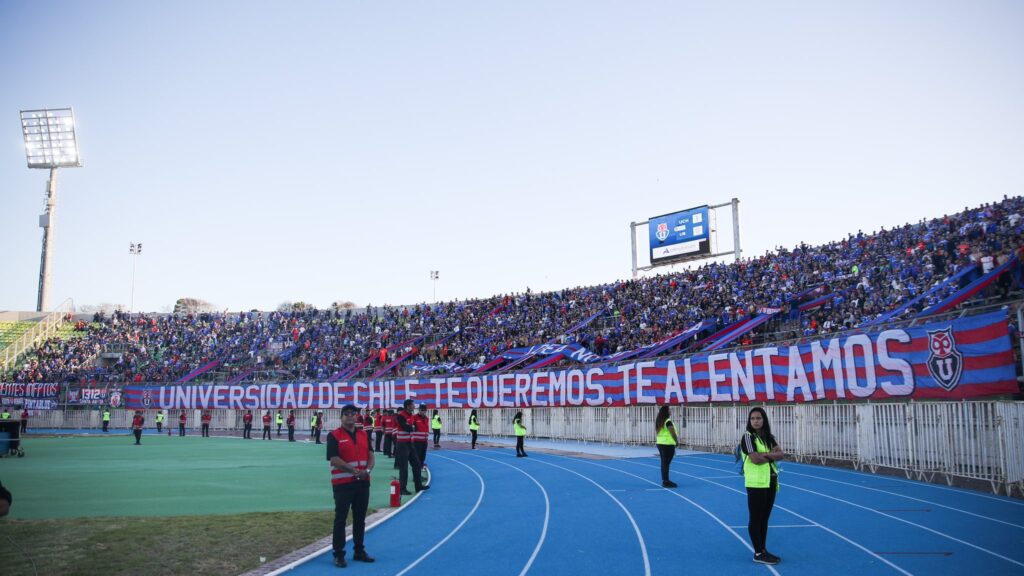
{"points": [[803, 291]]}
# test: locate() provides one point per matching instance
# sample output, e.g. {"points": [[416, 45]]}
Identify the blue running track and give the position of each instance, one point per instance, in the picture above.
{"points": [[489, 512]]}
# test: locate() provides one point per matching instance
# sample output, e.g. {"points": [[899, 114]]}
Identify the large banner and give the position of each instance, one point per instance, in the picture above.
{"points": [[31, 396], [955, 359]]}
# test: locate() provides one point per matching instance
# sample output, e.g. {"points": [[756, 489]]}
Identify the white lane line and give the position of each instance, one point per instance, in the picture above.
{"points": [[330, 548], [461, 524], [982, 516], [897, 518], [639, 536], [1000, 499], [921, 526], [798, 515], [785, 526], [790, 472], [678, 495], [547, 510]]}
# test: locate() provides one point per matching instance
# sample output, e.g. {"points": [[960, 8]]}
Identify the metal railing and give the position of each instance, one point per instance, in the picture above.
{"points": [[45, 328], [979, 441]]}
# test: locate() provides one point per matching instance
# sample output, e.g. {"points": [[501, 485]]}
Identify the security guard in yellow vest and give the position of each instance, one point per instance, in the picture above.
{"points": [[106, 419], [435, 426], [159, 421], [474, 426], [761, 478], [279, 419], [667, 442], [5, 415], [520, 430]]}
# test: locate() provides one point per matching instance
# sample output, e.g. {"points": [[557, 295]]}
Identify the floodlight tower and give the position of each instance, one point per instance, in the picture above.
{"points": [[50, 142], [134, 249], [434, 275]]}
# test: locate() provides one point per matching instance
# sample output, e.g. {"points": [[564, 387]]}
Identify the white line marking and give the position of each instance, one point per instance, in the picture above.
{"points": [[1001, 499], [547, 510], [639, 536], [897, 518], [678, 495], [791, 473], [785, 526], [461, 524], [330, 548], [800, 516]]}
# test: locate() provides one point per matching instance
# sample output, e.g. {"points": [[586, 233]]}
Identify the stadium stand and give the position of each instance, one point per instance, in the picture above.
{"points": [[854, 283]]}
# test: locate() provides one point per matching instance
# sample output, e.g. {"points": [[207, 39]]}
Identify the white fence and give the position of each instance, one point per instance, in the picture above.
{"points": [[931, 441]]}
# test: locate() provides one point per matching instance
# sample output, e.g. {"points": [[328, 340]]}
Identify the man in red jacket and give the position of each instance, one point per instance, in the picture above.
{"points": [[247, 425], [266, 425], [137, 422], [181, 423], [348, 451]]}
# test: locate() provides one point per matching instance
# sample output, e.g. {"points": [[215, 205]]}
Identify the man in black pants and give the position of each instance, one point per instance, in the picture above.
{"points": [[405, 453], [318, 426], [348, 451]]}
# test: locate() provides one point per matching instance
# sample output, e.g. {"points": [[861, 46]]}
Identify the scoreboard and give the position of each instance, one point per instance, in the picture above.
{"points": [[680, 236]]}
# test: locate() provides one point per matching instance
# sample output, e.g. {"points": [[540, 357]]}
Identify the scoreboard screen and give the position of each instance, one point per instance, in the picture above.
{"points": [[680, 236]]}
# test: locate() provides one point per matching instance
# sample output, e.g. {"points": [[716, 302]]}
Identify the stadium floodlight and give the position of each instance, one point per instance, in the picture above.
{"points": [[134, 249], [50, 142], [434, 275]]}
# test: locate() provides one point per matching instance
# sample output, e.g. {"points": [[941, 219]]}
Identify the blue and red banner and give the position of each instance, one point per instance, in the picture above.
{"points": [[955, 359], [40, 396]]}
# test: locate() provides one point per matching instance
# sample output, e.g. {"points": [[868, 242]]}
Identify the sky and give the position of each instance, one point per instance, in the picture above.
{"points": [[323, 151]]}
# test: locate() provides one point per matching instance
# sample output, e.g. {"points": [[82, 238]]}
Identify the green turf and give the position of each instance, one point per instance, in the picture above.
{"points": [[170, 476]]}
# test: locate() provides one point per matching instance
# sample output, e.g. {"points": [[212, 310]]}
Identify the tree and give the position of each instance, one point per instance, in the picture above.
{"points": [[192, 305], [343, 305], [294, 306]]}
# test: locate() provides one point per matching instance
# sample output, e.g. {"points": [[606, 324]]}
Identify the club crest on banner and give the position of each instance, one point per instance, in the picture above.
{"points": [[147, 398], [945, 362], [662, 231]]}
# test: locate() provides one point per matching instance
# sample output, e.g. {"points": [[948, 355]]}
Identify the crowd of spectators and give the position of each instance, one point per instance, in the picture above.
{"points": [[868, 273]]}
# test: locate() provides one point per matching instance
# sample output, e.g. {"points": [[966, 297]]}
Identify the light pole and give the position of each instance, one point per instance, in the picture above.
{"points": [[434, 275], [134, 249], [50, 142]]}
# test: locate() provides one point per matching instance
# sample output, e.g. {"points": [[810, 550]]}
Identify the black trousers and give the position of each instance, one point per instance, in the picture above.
{"points": [[759, 503], [520, 451], [437, 437], [357, 497], [279, 429], [106, 424], [379, 439], [181, 429], [473, 434], [291, 433], [159, 427], [667, 452], [24, 426], [266, 433], [406, 456], [316, 435], [247, 431], [206, 430], [421, 451], [369, 438], [138, 436], [389, 448]]}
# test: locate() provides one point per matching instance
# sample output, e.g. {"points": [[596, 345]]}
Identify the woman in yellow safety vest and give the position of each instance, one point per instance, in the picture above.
{"points": [[517, 425], [667, 442], [761, 477], [435, 425], [474, 425]]}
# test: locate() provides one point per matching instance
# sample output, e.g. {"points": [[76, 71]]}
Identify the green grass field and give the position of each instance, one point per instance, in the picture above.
{"points": [[86, 505]]}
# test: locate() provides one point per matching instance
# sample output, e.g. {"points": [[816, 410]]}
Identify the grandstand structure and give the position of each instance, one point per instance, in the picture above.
{"points": [[962, 270]]}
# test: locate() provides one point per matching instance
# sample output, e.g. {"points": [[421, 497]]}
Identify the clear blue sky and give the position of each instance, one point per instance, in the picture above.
{"points": [[318, 151]]}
